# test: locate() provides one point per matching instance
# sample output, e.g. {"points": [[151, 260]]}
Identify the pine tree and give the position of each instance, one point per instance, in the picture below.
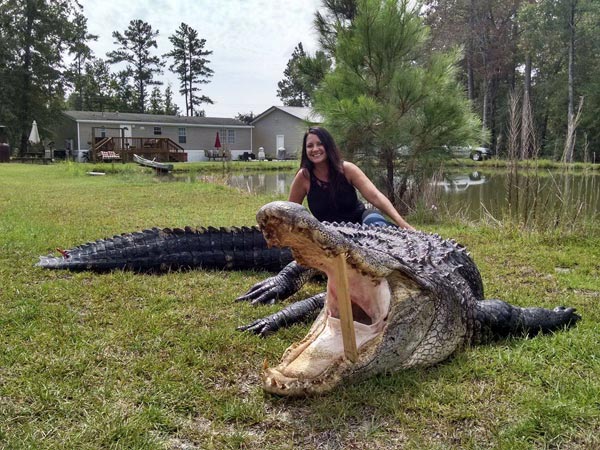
{"points": [[156, 102], [34, 37], [246, 118], [171, 109], [336, 15], [135, 45], [291, 89], [190, 65], [306, 72], [385, 93], [82, 54]]}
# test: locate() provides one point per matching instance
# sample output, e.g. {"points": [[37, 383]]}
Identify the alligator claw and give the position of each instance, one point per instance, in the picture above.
{"points": [[278, 287], [267, 292], [302, 311], [260, 327], [570, 317]]}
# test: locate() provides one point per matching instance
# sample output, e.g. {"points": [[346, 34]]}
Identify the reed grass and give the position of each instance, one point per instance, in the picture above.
{"points": [[132, 361]]}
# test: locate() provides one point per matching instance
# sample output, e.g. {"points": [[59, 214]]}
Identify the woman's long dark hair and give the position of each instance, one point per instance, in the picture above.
{"points": [[334, 158]]}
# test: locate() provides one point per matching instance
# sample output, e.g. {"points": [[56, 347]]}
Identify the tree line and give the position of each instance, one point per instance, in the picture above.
{"points": [[542, 54], [47, 65]]}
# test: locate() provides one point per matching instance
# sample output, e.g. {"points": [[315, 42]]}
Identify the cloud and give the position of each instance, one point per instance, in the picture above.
{"points": [[251, 40]]}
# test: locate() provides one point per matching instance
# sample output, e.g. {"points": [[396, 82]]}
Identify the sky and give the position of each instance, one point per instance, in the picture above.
{"points": [[251, 41]]}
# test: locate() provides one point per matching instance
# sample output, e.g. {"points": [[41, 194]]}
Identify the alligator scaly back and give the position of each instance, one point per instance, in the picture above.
{"points": [[163, 249]]}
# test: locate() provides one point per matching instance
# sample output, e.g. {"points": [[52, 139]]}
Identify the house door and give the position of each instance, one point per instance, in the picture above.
{"points": [[280, 141], [280, 148]]}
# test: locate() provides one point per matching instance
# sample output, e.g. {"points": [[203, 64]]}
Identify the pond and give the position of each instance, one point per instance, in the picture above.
{"points": [[477, 194], [474, 194]]}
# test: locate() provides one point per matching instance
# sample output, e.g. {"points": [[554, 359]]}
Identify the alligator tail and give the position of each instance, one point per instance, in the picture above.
{"points": [[163, 249], [495, 319]]}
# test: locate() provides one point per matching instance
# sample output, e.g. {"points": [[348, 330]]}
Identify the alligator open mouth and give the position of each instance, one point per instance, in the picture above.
{"points": [[317, 363]]}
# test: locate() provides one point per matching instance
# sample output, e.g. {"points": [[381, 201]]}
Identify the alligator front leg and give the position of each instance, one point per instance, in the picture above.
{"points": [[302, 311], [279, 287]]}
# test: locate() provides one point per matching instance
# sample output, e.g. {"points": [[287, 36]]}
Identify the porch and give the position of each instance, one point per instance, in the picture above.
{"points": [[158, 149]]}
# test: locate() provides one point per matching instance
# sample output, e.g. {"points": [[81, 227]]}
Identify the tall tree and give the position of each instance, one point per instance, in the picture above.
{"points": [[191, 65], [96, 88], [487, 32], [386, 93], [586, 79], [312, 71], [246, 118], [305, 72], [126, 96], [571, 122], [81, 55], [34, 36], [333, 16], [291, 89], [156, 102], [563, 43], [134, 49], [171, 109]]}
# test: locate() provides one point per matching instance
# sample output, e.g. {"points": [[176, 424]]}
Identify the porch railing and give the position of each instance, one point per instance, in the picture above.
{"points": [[159, 149]]}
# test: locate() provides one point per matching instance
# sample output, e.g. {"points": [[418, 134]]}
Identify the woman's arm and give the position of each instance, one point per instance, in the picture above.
{"points": [[368, 190], [299, 188]]}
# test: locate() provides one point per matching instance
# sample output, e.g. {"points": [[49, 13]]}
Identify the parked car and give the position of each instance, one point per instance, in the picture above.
{"points": [[475, 153], [480, 153]]}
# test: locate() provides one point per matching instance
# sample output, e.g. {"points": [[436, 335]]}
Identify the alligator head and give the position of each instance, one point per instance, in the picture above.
{"points": [[412, 295]]}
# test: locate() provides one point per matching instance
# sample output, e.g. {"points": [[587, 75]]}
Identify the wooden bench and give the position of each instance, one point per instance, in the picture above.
{"points": [[214, 154]]}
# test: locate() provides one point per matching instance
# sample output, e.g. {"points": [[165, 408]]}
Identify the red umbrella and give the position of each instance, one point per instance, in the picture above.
{"points": [[217, 141]]}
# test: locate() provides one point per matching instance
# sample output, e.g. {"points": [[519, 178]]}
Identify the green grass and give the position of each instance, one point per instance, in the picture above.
{"points": [[124, 360]]}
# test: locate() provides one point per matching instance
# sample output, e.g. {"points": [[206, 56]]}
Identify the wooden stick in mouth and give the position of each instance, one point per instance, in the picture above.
{"points": [[345, 309]]}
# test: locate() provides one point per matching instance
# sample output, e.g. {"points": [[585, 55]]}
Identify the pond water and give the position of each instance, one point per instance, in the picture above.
{"points": [[474, 194], [478, 194]]}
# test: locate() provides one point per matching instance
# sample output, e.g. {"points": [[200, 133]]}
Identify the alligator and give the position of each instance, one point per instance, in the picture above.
{"points": [[416, 298]]}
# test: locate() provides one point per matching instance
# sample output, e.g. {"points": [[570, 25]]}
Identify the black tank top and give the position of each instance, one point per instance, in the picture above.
{"points": [[344, 207]]}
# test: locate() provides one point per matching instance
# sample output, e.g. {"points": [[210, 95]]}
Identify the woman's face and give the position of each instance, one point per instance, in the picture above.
{"points": [[315, 151]]}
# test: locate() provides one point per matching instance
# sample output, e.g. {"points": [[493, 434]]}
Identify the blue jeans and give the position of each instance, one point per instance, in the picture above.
{"points": [[375, 218]]}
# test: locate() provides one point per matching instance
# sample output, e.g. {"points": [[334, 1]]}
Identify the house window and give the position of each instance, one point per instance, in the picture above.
{"points": [[102, 132], [227, 136], [182, 137], [157, 131]]}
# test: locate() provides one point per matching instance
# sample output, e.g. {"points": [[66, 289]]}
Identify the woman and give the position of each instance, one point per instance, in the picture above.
{"points": [[330, 185]]}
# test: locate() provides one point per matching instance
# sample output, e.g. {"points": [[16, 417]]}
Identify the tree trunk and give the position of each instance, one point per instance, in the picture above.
{"points": [[570, 139], [493, 111], [190, 87], [470, 50], [484, 108], [544, 131], [526, 114], [25, 112], [389, 166]]}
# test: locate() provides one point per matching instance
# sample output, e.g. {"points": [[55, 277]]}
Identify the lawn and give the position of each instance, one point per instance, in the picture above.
{"points": [[123, 360]]}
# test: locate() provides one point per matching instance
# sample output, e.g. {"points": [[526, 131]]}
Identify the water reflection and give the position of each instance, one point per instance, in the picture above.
{"points": [[474, 193], [524, 195], [460, 182], [276, 183]]}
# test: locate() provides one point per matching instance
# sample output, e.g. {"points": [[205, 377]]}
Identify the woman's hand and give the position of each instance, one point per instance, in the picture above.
{"points": [[373, 195]]}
